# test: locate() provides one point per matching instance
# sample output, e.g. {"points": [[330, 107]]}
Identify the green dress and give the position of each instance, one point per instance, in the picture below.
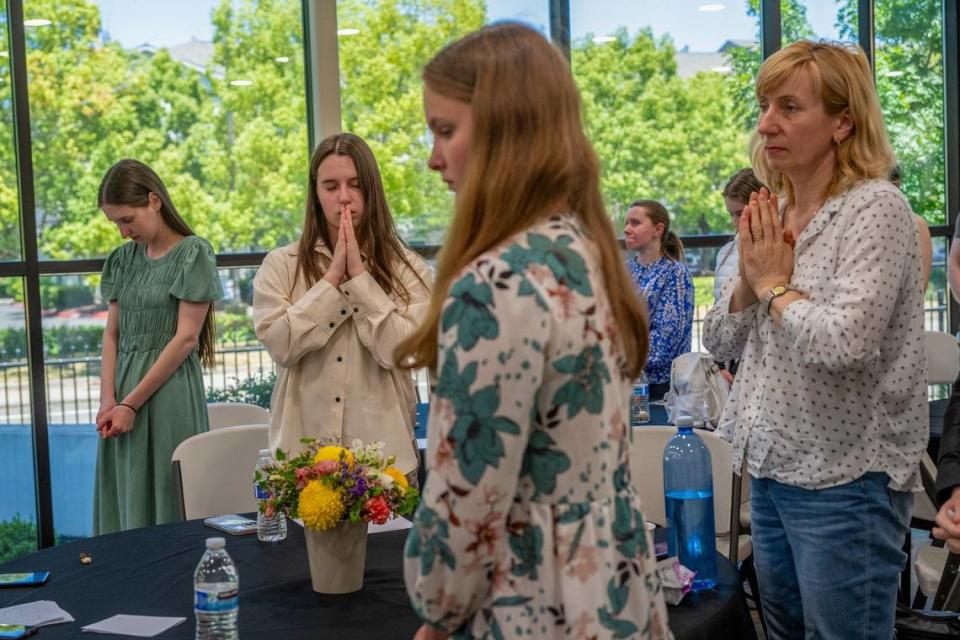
{"points": [[134, 471]]}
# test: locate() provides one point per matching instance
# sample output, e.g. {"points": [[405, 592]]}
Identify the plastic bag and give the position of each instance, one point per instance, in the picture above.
{"points": [[696, 375]]}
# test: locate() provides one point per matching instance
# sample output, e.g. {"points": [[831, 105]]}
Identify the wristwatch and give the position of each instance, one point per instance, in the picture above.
{"points": [[775, 292]]}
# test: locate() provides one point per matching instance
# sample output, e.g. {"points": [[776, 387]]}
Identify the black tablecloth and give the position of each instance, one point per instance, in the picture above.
{"points": [[150, 572]]}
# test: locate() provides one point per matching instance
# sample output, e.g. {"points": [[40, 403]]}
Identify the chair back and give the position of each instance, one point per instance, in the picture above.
{"points": [[231, 414], [646, 469], [943, 358], [213, 471]]}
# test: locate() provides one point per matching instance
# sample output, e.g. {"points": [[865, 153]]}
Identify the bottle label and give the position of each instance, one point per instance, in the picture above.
{"points": [[216, 601], [259, 492]]}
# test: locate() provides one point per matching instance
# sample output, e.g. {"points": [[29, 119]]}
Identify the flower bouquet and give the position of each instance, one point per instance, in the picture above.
{"points": [[335, 491]]}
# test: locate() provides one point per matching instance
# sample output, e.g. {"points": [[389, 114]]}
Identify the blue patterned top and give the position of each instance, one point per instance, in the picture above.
{"points": [[667, 288]]}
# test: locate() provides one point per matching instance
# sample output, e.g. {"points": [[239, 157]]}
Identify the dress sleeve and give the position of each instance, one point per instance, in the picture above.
{"points": [[198, 280], [381, 322], [112, 275], [491, 367]]}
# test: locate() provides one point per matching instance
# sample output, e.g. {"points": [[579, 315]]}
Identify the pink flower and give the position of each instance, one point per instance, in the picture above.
{"points": [[325, 467]]}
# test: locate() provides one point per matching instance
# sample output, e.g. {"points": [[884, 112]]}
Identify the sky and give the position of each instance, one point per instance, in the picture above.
{"points": [[134, 22]]}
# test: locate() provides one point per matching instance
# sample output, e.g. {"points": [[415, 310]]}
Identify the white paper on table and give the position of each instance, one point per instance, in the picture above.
{"points": [[140, 626], [35, 614], [393, 524]]}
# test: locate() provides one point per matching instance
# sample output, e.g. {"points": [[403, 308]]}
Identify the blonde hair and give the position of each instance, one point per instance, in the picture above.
{"points": [[528, 151], [841, 80]]}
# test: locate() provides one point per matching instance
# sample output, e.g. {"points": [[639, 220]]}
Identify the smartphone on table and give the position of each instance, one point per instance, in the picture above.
{"points": [[25, 579]]}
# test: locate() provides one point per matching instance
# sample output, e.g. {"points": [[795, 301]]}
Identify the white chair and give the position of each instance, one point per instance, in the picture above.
{"points": [[213, 471], [943, 366], [231, 414]]}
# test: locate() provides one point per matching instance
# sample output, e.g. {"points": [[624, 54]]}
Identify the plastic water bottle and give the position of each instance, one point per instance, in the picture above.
{"points": [[216, 599], [640, 401], [688, 493], [273, 528]]}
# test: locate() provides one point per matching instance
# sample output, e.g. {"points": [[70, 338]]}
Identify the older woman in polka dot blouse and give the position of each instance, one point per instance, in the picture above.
{"points": [[828, 410]]}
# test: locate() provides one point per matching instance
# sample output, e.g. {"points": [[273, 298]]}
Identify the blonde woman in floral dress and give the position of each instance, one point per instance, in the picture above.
{"points": [[528, 525]]}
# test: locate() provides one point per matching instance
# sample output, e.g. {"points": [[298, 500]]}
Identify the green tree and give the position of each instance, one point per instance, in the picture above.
{"points": [[381, 96], [658, 135]]}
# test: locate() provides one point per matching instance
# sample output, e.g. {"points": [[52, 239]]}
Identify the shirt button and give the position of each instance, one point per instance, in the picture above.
{"points": [[339, 358], [337, 398]]}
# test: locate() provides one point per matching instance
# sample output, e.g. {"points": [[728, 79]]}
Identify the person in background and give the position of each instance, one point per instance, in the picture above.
{"points": [[736, 196], [331, 308], [160, 328], [926, 242], [663, 281], [528, 525], [829, 407], [948, 457]]}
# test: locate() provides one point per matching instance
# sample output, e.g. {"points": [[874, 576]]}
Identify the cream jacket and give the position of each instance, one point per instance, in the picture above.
{"points": [[334, 353]]}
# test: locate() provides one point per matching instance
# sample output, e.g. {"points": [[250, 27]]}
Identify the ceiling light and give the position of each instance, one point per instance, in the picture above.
{"points": [[36, 22], [721, 69], [281, 59], [711, 8], [347, 32], [241, 83], [893, 74], [604, 39]]}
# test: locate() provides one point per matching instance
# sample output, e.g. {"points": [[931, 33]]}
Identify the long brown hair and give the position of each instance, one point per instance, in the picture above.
{"points": [[130, 183], [842, 80], [376, 234], [670, 245], [527, 151]]}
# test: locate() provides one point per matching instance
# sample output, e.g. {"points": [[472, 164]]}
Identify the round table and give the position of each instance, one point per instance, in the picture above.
{"points": [[150, 572]]}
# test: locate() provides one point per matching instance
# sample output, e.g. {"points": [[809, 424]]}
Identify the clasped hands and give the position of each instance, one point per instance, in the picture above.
{"points": [[114, 419], [347, 261], [948, 522], [766, 248]]}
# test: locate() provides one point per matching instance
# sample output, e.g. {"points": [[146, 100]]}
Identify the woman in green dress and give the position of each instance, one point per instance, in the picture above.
{"points": [[161, 289]]}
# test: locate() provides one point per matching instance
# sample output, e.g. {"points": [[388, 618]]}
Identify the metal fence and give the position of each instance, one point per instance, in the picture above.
{"points": [[73, 384]]}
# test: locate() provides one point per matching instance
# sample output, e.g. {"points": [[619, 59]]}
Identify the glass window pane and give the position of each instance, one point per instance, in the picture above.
{"points": [[818, 20], [9, 205], [910, 77], [385, 44], [654, 77], [210, 93], [18, 532]]}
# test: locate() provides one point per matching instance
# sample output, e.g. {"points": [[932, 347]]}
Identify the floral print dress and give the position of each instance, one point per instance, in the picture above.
{"points": [[528, 524]]}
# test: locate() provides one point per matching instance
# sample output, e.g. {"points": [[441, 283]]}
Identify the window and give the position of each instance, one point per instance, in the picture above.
{"points": [[654, 77], [209, 93], [831, 20], [9, 206], [383, 47], [18, 533]]}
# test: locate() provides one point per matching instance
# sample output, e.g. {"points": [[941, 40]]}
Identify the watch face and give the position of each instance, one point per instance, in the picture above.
{"points": [[778, 290]]}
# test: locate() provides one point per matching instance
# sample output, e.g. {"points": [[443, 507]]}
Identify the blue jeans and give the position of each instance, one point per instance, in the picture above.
{"points": [[828, 561]]}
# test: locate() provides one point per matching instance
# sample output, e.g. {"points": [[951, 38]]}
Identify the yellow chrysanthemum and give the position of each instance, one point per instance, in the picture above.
{"points": [[398, 477], [332, 452], [320, 506]]}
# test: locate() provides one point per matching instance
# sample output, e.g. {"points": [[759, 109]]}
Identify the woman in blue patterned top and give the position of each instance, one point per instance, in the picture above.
{"points": [[663, 281]]}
